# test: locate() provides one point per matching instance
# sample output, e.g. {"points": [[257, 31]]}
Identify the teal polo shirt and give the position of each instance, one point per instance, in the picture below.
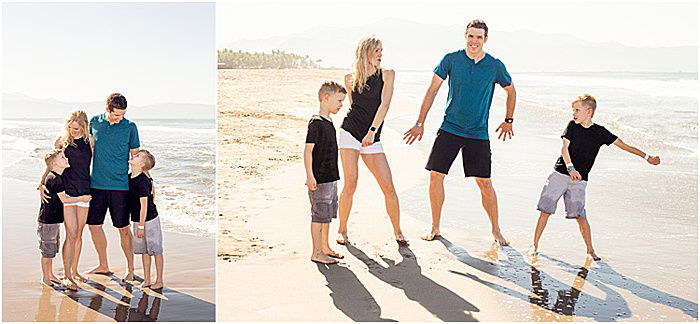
{"points": [[110, 159], [470, 92]]}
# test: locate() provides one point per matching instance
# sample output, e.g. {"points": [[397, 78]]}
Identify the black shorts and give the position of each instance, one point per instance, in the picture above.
{"points": [[116, 200], [476, 155]]}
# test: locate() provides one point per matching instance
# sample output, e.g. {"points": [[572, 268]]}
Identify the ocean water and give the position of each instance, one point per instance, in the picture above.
{"points": [[184, 175], [643, 218]]}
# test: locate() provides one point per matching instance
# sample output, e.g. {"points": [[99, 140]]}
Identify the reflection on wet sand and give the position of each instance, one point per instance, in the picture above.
{"points": [[121, 301]]}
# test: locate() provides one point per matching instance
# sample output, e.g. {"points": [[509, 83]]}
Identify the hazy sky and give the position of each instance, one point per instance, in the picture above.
{"points": [[631, 23], [152, 53]]}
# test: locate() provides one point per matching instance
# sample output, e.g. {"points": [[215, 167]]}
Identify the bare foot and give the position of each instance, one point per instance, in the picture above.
{"points": [[594, 256], [342, 238], [157, 285], [400, 238], [129, 276], [100, 270], [498, 237], [532, 251], [79, 277], [145, 284], [435, 233], [54, 279], [333, 254], [70, 284], [48, 282], [323, 259]]}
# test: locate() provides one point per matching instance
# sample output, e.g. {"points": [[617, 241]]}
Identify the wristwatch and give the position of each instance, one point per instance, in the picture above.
{"points": [[419, 124], [374, 129], [509, 120]]}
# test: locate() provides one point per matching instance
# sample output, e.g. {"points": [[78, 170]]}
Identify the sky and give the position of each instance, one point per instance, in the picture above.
{"points": [[81, 52], [629, 23]]}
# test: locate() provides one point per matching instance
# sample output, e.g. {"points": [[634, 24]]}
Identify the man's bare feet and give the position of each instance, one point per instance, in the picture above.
{"points": [[70, 284], [342, 238], [400, 238], [333, 254], [79, 277], [435, 233], [594, 256], [157, 285], [101, 270], [128, 276], [322, 258], [145, 284], [498, 237]]}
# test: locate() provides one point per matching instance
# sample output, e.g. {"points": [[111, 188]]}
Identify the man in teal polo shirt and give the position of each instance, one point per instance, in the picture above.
{"points": [[473, 75], [116, 139]]}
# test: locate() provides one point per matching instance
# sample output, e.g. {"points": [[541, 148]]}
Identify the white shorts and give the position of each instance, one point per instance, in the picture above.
{"points": [[78, 204], [345, 140]]}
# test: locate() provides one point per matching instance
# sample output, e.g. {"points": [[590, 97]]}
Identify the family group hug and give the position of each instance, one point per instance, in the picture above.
{"points": [[87, 174], [471, 75]]}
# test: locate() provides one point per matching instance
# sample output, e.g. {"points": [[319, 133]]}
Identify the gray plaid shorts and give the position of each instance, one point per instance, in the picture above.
{"points": [[152, 241], [324, 202], [49, 239], [574, 193]]}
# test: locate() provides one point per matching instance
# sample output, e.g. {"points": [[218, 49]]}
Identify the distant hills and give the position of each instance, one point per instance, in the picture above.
{"points": [[415, 46], [17, 105]]}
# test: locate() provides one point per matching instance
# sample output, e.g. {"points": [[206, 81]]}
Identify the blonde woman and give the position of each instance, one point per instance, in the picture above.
{"points": [[77, 144], [371, 88]]}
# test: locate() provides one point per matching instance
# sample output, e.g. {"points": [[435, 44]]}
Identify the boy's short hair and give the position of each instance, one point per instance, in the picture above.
{"points": [[587, 101], [330, 87], [478, 23], [116, 101], [51, 156], [148, 158]]}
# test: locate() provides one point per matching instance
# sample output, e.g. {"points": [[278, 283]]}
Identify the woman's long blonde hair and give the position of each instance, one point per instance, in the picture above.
{"points": [[80, 117], [362, 69]]}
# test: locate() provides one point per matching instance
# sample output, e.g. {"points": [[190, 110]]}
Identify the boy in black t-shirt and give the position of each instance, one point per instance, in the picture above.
{"points": [[582, 140], [51, 217], [321, 163], [148, 237]]}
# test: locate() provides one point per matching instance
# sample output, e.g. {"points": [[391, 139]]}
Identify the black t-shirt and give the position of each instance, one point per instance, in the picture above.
{"points": [[141, 186], [52, 211], [325, 153], [364, 107], [77, 177], [584, 147]]}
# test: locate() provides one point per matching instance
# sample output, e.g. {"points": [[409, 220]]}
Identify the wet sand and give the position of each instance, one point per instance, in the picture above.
{"points": [[461, 277], [189, 275]]}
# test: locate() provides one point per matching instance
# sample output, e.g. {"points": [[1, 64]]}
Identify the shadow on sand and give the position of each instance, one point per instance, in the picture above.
{"points": [[406, 275], [134, 305], [350, 296]]}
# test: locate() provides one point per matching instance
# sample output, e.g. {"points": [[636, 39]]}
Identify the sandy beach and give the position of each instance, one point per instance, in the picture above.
{"points": [[264, 246], [189, 274]]}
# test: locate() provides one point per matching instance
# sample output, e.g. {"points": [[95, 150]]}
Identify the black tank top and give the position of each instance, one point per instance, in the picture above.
{"points": [[364, 107], [77, 177]]}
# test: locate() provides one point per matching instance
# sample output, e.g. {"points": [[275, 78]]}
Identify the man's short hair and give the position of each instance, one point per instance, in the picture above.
{"points": [[148, 158], [587, 101], [330, 87], [116, 101], [51, 156], [477, 23]]}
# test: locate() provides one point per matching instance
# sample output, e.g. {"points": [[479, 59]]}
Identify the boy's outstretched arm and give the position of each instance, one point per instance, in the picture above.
{"points": [[69, 200], [567, 159], [308, 159], [654, 160]]}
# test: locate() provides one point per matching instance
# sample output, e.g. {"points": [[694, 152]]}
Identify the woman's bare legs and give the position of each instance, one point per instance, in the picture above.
{"points": [[82, 218], [379, 166], [349, 159]]}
